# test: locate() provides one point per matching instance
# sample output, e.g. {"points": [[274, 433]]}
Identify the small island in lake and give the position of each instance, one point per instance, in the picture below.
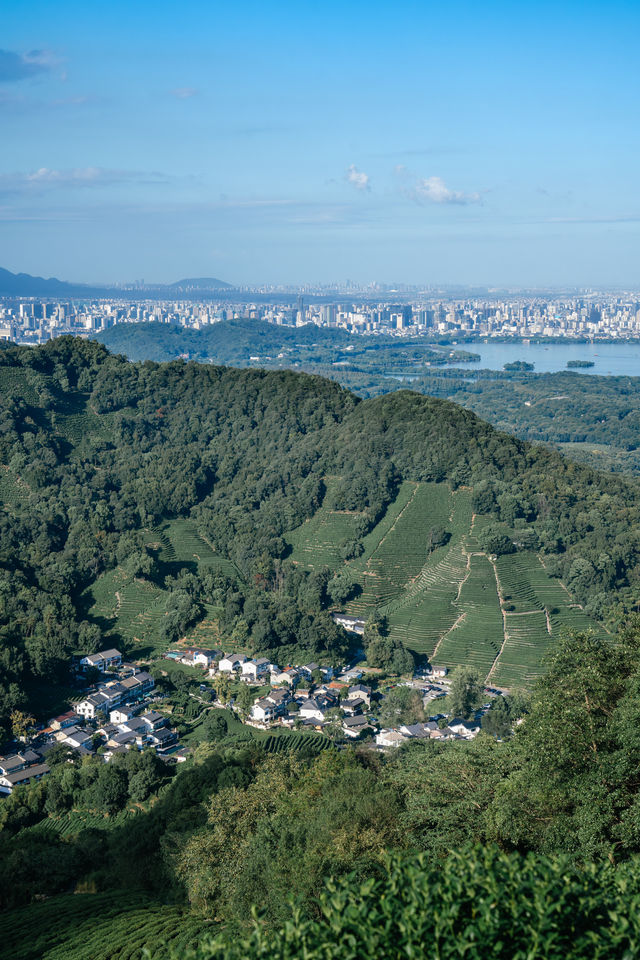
{"points": [[519, 366], [572, 364]]}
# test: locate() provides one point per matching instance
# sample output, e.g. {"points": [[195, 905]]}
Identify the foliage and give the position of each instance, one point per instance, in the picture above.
{"points": [[383, 651], [401, 705], [465, 692], [477, 903], [292, 826], [248, 824], [96, 522]]}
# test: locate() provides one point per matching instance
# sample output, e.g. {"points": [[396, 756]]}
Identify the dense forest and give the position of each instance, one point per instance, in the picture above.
{"points": [[591, 419], [95, 451]]}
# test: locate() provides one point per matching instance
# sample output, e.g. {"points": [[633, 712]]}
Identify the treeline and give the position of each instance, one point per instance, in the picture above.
{"points": [[96, 451], [554, 408]]}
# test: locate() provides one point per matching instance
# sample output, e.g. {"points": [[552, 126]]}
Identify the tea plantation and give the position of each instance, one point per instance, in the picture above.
{"points": [[453, 602], [97, 926]]}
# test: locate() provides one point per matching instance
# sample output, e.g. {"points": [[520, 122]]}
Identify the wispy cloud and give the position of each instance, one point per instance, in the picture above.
{"points": [[357, 178], [21, 66], [72, 101], [45, 179], [615, 218], [184, 93]]}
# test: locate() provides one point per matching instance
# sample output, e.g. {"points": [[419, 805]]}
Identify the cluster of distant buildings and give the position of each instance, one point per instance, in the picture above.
{"points": [[591, 315], [130, 684]]}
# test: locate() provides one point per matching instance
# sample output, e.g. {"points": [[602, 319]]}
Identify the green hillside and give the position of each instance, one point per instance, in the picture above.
{"points": [[456, 603], [143, 504]]}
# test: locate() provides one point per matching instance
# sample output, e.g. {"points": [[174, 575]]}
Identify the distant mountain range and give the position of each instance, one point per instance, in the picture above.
{"points": [[24, 285]]}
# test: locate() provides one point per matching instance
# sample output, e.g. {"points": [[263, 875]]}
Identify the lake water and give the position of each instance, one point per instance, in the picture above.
{"points": [[610, 359]]}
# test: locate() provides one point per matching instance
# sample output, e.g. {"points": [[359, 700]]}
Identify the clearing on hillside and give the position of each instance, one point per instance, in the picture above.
{"points": [[135, 608]]}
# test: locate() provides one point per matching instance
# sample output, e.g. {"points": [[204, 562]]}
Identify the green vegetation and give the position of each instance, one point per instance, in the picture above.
{"points": [[519, 366], [107, 926], [477, 635], [309, 744], [593, 420], [347, 851], [478, 904], [241, 341], [444, 599], [239, 507]]}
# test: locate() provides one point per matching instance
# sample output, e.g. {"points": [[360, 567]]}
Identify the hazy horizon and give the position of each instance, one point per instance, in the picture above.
{"points": [[404, 143]]}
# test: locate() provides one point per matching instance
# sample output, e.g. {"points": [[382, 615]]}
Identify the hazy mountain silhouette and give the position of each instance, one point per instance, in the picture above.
{"points": [[24, 285]]}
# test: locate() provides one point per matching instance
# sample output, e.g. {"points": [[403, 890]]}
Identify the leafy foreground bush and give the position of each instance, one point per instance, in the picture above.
{"points": [[477, 904]]}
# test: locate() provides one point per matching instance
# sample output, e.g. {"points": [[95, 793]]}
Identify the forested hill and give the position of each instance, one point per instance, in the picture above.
{"points": [[593, 419], [97, 453], [232, 341]]}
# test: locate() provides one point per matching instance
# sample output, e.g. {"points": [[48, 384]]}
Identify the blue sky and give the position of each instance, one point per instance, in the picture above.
{"points": [[493, 143]]}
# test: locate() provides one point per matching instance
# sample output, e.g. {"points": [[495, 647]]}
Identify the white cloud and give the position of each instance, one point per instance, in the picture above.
{"points": [[435, 190], [357, 178]]}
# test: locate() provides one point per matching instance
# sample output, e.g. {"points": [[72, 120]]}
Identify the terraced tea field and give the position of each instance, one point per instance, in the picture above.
{"points": [[453, 604], [181, 543], [477, 635], [207, 632], [13, 490], [76, 821], [316, 543], [133, 607], [542, 610], [15, 381], [97, 926]]}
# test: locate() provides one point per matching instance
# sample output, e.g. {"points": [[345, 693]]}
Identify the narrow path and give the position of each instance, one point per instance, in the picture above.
{"points": [[573, 603], [462, 615], [447, 632], [462, 582], [504, 623]]}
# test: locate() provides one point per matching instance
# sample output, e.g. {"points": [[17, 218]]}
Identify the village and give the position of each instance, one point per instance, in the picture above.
{"points": [[124, 708]]}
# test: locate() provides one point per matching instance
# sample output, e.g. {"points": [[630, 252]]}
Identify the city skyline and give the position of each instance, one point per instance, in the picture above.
{"points": [[272, 144], [596, 317]]}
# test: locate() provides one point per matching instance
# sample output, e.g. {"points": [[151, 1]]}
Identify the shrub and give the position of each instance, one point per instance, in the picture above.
{"points": [[478, 903]]}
